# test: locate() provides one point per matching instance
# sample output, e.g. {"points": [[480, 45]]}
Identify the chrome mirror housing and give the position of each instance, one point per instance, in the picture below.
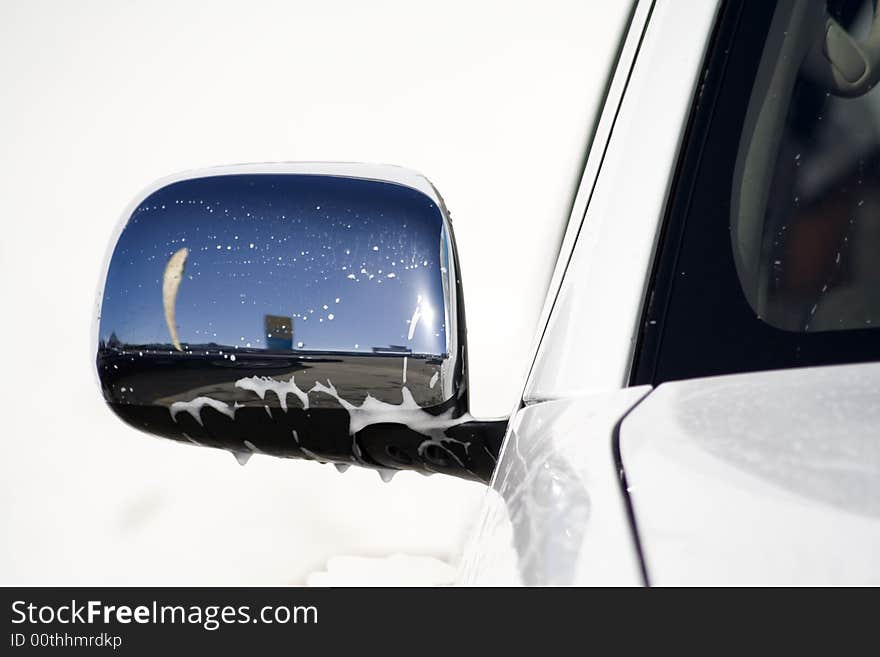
{"points": [[306, 310]]}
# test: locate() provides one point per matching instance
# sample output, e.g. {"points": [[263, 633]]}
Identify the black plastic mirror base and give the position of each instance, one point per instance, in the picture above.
{"points": [[301, 407], [468, 449]]}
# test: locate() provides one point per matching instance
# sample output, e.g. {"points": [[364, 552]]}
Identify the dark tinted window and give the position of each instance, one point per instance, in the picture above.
{"points": [[769, 257]]}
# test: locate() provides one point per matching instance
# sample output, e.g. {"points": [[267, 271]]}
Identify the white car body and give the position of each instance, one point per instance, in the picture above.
{"points": [[757, 478]]}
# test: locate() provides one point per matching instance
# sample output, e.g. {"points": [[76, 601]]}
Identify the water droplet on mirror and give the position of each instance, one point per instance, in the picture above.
{"points": [[242, 457], [386, 474]]}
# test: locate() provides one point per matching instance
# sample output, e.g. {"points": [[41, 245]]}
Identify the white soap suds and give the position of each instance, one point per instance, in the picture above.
{"points": [[242, 457], [195, 407], [192, 440], [261, 384], [310, 454], [386, 474], [372, 411], [408, 412]]}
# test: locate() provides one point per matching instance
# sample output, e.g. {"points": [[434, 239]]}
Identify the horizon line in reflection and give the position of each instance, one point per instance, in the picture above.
{"points": [[233, 351]]}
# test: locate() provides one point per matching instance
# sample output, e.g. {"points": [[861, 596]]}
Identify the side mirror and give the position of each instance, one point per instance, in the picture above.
{"points": [[303, 311]]}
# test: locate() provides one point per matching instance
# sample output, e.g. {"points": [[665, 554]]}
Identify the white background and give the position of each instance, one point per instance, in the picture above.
{"points": [[492, 101]]}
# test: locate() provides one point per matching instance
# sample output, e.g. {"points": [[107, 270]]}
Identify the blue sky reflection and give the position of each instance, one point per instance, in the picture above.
{"points": [[346, 260]]}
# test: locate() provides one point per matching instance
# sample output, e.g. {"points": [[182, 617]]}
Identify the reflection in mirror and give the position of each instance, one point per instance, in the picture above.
{"points": [[290, 294], [280, 263]]}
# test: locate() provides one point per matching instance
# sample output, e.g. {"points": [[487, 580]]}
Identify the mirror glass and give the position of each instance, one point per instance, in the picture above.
{"points": [[280, 263]]}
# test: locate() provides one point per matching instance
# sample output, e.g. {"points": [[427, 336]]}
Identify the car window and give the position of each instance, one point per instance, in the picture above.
{"points": [[770, 253], [805, 207]]}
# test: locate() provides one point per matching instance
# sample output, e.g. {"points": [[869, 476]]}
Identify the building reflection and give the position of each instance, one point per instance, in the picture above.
{"points": [[279, 332]]}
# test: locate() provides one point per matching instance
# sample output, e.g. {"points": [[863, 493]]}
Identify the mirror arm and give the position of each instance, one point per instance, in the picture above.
{"points": [[467, 448], [483, 435]]}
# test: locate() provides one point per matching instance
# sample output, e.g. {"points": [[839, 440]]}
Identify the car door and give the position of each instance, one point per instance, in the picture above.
{"points": [[756, 460], [744, 155], [556, 512]]}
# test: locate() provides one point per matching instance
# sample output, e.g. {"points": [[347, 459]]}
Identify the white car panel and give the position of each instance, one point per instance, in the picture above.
{"points": [[589, 339], [556, 513], [598, 143], [766, 478]]}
